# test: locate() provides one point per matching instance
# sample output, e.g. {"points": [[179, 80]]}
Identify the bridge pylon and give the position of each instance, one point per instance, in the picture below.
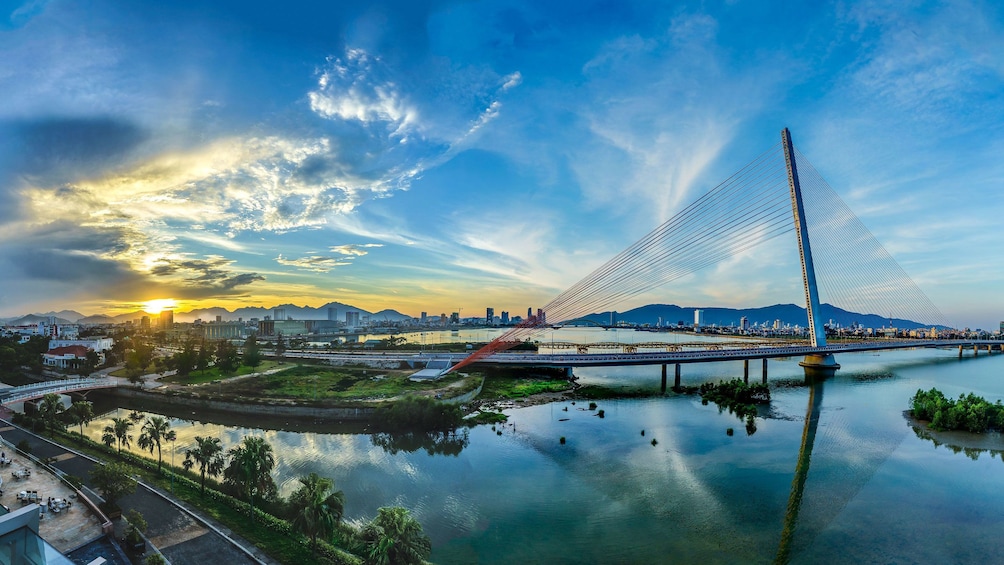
{"points": [[821, 364]]}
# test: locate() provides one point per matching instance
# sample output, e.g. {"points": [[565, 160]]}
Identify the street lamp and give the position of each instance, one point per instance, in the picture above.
{"points": [[173, 470]]}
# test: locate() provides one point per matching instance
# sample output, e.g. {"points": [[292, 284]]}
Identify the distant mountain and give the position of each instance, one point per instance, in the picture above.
{"points": [[70, 315], [32, 319], [790, 314], [290, 311], [389, 316]]}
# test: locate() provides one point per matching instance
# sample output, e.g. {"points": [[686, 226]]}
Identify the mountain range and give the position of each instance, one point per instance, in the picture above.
{"points": [[209, 314], [790, 314]]}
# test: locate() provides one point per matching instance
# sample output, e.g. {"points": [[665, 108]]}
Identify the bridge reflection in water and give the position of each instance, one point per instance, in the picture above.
{"points": [[801, 469]]}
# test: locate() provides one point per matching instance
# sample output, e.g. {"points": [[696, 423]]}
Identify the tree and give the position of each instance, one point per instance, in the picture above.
{"points": [[395, 537], [90, 363], [316, 510], [250, 469], [49, 410], [113, 481], [118, 433], [155, 430], [228, 359], [280, 346], [252, 353], [81, 413], [185, 359], [202, 358], [208, 454]]}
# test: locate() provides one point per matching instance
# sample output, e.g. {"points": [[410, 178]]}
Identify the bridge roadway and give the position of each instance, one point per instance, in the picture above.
{"points": [[62, 386], [715, 353]]}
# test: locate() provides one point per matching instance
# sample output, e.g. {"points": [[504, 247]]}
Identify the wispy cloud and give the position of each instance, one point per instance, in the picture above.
{"points": [[314, 263], [354, 249]]}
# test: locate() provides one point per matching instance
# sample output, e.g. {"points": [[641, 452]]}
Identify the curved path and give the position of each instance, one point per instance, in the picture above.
{"points": [[180, 533]]}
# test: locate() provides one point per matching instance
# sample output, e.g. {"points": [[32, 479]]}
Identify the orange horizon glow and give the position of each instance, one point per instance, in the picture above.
{"points": [[158, 305]]}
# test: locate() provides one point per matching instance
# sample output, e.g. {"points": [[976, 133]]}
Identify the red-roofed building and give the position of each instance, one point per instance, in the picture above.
{"points": [[65, 357]]}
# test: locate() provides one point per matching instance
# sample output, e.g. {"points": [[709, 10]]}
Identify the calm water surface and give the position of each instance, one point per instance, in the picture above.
{"points": [[874, 492]]}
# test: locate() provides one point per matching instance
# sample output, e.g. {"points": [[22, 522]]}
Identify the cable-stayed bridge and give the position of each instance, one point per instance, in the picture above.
{"points": [[777, 194]]}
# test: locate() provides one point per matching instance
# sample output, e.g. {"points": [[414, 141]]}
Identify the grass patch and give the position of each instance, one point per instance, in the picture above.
{"points": [[310, 382], [213, 374], [486, 418], [513, 388]]}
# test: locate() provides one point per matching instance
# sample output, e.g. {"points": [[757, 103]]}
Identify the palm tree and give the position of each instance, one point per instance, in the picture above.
{"points": [[155, 430], [394, 536], [317, 510], [118, 432], [208, 453], [50, 409], [81, 412], [251, 465]]}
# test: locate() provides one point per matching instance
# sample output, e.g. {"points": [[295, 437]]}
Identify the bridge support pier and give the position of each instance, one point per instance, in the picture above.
{"points": [[569, 374], [976, 350], [819, 366], [664, 378], [676, 380], [746, 371], [960, 352], [764, 370]]}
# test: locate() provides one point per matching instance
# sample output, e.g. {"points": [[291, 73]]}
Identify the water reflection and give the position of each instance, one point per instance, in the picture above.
{"points": [[434, 443], [801, 470], [953, 441]]}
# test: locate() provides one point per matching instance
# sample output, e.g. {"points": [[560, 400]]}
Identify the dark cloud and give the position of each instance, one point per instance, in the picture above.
{"points": [[205, 277], [56, 150]]}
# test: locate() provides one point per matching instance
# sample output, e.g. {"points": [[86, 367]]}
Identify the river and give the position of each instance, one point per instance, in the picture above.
{"points": [[874, 490]]}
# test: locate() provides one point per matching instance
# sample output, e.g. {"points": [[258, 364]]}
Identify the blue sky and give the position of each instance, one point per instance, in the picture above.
{"points": [[432, 156]]}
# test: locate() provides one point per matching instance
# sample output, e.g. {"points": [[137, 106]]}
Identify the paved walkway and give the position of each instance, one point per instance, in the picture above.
{"points": [[181, 535]]}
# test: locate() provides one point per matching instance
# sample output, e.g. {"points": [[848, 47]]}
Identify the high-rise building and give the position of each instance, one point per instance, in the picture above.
{"points": [[744, 324], [455, 318], [698, 319], [425, 317], [541, 316], [505, 317], [167, 319], [332, 314], [777, 324], [529, 312], [489, 316], [352, 319], [144, 322], [279, 314]]}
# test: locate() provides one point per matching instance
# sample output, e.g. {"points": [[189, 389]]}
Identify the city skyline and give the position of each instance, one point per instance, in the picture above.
{"points": [[432, 158]]}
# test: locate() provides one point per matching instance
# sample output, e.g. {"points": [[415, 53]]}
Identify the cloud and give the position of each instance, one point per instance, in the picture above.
{"points": [[356, 87], [354, 250], [314, 263]]}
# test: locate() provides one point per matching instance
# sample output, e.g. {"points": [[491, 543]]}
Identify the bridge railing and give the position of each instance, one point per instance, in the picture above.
{"points": [[34, 390]]}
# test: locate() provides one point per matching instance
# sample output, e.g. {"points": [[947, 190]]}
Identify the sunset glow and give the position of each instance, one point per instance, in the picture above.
{"points": [[158, 305]]}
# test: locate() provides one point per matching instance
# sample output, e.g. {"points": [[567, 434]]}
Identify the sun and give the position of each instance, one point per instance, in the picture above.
{"points": [[156, 306]]}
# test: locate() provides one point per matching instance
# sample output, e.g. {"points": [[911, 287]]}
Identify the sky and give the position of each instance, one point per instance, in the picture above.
{"points": [[450, 156]]}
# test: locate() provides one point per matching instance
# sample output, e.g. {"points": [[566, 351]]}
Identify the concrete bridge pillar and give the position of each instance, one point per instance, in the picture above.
{"points": [[960, 352], [664, 378], [676, 380], [764, 370], [976, 350], [820, 365], [746, 371]]}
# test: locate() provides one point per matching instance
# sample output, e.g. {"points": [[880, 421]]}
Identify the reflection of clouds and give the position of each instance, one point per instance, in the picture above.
{"points": [[297, 453]]}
